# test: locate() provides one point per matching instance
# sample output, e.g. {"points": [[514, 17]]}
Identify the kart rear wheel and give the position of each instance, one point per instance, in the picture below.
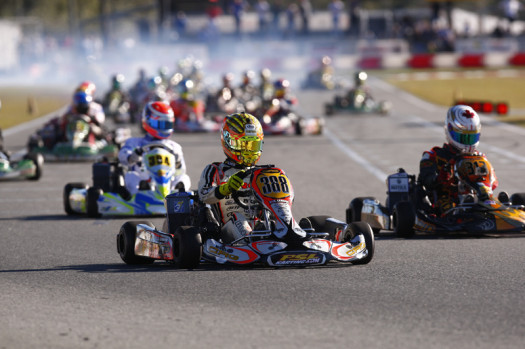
{"points": [[187, 247], [357, 228], [67, 191], [353, 212], [300, 127], [38, 160], [403, 217], [126, 238], [93, 193], [329, 109], [518, 199]]}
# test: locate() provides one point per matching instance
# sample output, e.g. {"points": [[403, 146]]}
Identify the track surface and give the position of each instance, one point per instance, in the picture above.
{"points": [[63, 284]]}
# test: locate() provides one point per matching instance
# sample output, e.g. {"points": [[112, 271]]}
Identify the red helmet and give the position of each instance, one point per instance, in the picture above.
{"points": [[87, 87], [158, 119]]}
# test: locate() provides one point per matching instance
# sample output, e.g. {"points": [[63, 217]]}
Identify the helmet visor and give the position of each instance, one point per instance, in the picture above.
{"points": [[161, 124], [246, 143], [464, 138]]}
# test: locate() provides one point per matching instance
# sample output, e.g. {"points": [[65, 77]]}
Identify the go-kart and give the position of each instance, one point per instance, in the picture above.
{"points": [[83, 141], [279, 120], [357, 102], [117, 106], [190, 117], [29, 167], [477, 212], [108, 195], [271, 236]]}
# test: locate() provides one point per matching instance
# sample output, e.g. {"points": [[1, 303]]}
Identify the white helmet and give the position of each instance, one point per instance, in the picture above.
{"points": [[462, 128]]}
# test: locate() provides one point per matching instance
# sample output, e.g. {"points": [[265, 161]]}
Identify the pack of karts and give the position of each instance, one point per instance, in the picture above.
{"points": [[109, 197], [29, 167], [271, 237], [83, 141], [357, 102], [278, 120], [478, 211]]}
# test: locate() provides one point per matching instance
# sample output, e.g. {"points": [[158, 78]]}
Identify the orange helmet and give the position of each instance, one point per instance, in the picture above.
{"points": [[87, 87], [242, 138]]}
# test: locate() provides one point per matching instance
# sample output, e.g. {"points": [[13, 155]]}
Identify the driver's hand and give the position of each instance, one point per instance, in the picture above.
{"points": [[134, 158], [234, 183]]}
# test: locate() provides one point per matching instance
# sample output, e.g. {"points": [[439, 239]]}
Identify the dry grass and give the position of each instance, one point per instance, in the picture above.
{"points": [[21, 104]]}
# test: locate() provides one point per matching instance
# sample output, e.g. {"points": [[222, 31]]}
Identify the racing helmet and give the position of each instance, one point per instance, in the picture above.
{"points": [[158, 119], [81, 102], [360, 78], [87, 87], [116, 81], [266, 74], [463, 128], [281, 88], [227, 79], [247, 77], [154, 83], [242, 138]]}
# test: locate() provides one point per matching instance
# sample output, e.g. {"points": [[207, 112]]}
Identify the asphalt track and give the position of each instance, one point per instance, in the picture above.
{"points": [[63, 285]]}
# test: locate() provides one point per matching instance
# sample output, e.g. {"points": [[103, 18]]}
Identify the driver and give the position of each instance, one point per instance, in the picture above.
{"points": [[242, 142], [157, 121], [462, 129]]}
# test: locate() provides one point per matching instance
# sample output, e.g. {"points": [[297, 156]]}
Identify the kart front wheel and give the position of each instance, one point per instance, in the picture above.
{"points": [[92, 196], [67, 192], [518, 199], [403, 218], [126, 238], [187, 247], [38, 160], [361, 228]]}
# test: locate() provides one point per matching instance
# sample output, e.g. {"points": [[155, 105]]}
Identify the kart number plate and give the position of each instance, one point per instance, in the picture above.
{"points": [[398, 184]]}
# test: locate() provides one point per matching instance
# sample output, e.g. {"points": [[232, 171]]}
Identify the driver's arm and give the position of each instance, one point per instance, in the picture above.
{"points": [[128, 149]]}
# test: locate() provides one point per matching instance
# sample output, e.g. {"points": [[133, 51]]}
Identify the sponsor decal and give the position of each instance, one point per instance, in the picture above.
{"points": [[177, 207], [223, 253], [250, 130], [398, 185], [296, 258]]}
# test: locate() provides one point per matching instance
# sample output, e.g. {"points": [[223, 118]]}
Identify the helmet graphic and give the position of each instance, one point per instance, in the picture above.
{"points": [[87, 87], [242, 138], [462, 128], [158, 119]]}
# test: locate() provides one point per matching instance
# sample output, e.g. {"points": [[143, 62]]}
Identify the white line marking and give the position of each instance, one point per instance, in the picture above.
{"points": [[355, 156]]}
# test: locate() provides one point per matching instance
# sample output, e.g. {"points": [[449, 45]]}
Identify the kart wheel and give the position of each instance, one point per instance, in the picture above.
{"points": [[518, 199], [403, 218], [38, 160], [300, 127], [328, 109], [317, 223], [187, 247], [357, 228], [67, 191], [92, 195], [353, 212], [126, 238]]}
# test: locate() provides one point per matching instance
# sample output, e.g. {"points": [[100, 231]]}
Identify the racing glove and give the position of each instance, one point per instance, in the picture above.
{"points": [[134, 158], [234, 183]]}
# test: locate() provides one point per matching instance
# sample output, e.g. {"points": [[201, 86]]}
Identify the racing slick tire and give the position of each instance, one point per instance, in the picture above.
{"points": [[329, 109], [38, 160], [300, 126], [126, 238], [356, 228], [403, 218], [518, 199], [92, 195], [67, 191], [353, 212], [187, 247]]}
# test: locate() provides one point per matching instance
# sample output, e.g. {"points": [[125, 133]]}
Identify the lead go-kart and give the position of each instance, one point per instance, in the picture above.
{"points": [[29, 167], [357, 102], [191, 235], [108, 195], [478, 211]]}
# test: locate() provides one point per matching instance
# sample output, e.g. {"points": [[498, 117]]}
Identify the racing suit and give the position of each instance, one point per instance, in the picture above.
{"points": [[232, 217], [136, 174], [95, 113], [436, 173]]}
